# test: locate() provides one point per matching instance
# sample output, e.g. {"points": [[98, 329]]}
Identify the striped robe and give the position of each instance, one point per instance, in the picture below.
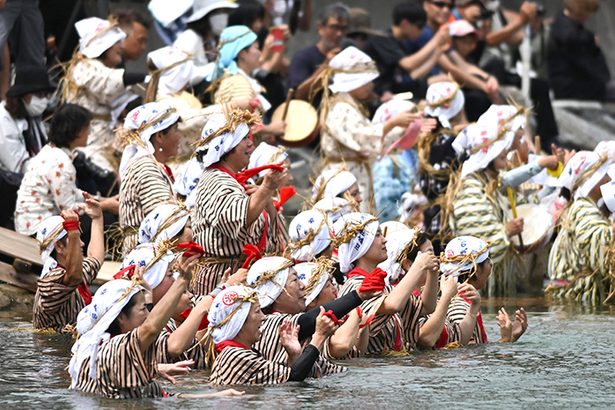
{"points": [[477, 214], [56, 304], [235, 365], [198, 354], [579, 258], [271, 347], [457, 311], [386, 329], [122, 371], [219, 225], [143, 188], [451, 332]]}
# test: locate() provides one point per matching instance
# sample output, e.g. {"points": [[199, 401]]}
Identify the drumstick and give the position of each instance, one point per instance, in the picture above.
{"points": [[513, 207], [537, 144], [289, 96]]}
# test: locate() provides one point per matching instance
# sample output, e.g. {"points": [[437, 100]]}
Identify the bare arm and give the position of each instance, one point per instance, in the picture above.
{"points": [[429, 295], [432, 328], [261, 198], [459, 75], [180, 339], [162, 311], [345, 337], [96, 248]]}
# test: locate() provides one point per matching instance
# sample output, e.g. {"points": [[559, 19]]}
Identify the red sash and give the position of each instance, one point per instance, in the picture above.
{"points": [[229, 343], [204, 322], [83, 290]]}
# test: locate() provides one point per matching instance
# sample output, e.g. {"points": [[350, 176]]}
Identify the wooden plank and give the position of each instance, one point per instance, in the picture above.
{"points": [[107, 270], [21, 280], [20, 246]]}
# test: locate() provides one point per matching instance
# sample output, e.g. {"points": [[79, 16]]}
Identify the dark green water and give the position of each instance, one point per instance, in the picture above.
{"points": [[566, 360]]}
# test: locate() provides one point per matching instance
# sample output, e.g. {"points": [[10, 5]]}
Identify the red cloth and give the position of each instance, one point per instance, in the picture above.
{"points": [[128, 271], [204, 322], [286, 193], [252, 253], [443, 339], [167, 170], [372, 281], [71, 225], [229, 343], [331, 315], [191, 248], [84, 291]]}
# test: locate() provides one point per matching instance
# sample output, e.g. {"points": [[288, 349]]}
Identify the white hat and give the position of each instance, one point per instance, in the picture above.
{"points": [[460, 28], [314, 277], [335, 207], [223, 143], [398, 237], [235, 301], [163, 223], [352, 69], [584, 170], [608, 195], [308, 224], [187, 179], [266, 154], [176, 69], [474, 248], [156, 263], [166, 11], [444, 101], [606, 148], [97, 36], [390, 109], [269, 275], [48, 232], [201, 8], [93, 322], [332, 183], [484, 141], [508, 116], [361, 229], [141, 123]]}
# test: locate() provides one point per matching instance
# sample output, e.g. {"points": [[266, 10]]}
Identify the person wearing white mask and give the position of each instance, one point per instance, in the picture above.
{"points": [[152, 138], [347, 134], [361, 247], [93, 80], [580, 262], [62, 289], [235, 320], [49, 184], [22, 132]]}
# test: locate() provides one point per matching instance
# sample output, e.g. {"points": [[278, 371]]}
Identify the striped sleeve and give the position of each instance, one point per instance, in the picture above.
{"points": [[123, 371], [233, 87], [410, 320], [475, 214], [91, 267], [457, 310], [237, 366]]}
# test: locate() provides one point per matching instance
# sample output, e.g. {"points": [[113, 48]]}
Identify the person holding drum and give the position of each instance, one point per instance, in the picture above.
{"points": [[475, 201], [347, 135]]}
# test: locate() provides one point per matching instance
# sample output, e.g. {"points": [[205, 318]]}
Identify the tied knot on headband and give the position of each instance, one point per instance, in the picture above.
{"points": [[324, 78], [233, 117], [126, 273], [133, 137], [350, 231], [324, 267], [503, 127], [269, 276], [180, 212], [462, 260]]}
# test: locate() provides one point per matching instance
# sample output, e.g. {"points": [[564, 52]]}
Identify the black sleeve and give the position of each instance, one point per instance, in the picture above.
{"points": [[133, 78], [341, 307], [301, 368]]}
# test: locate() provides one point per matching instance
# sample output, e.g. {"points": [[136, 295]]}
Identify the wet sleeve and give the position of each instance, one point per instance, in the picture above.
{"points": [[301, 368]]}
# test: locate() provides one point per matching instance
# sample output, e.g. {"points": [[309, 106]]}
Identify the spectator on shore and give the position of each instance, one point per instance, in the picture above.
{"points": [[136, 26]]}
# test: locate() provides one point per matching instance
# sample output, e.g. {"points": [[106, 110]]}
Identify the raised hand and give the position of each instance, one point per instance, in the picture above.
{"points": [[520, 324], [427, 261], [168, 370], [469, 293], [289, 338], [92, 207], [325, 326], [505, 325], [448, 286], [186, 266]]}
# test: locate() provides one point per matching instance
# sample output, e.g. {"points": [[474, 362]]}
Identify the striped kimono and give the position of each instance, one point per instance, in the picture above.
{"points": [[235, 365], [122, 371], [56, 304], [219, 225], [388, 333], [143, 188], [457, 311], [477, 214], [579, 259], [271, 348]]}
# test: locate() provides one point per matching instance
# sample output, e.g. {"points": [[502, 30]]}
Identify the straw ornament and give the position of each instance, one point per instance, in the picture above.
{"points": [[128, 137], [325, 267], [350, 231], [461, 260], [234, 117]]}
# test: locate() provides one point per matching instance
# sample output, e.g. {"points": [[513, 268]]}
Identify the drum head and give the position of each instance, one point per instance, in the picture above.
{"points": [[301, 122], [537, 225]]}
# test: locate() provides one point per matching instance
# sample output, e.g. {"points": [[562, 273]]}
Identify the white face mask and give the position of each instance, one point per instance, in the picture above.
{"points": [[218, 23], [36, 106]]}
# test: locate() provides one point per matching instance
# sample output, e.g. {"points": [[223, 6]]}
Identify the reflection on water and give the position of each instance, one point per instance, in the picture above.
{"points": [[565, 360]]}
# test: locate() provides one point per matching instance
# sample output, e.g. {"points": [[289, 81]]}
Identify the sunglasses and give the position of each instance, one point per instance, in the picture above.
{"points": [[442, 4]]}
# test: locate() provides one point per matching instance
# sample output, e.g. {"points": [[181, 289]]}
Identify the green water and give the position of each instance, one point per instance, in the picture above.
{"points": [[566, 360]]}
